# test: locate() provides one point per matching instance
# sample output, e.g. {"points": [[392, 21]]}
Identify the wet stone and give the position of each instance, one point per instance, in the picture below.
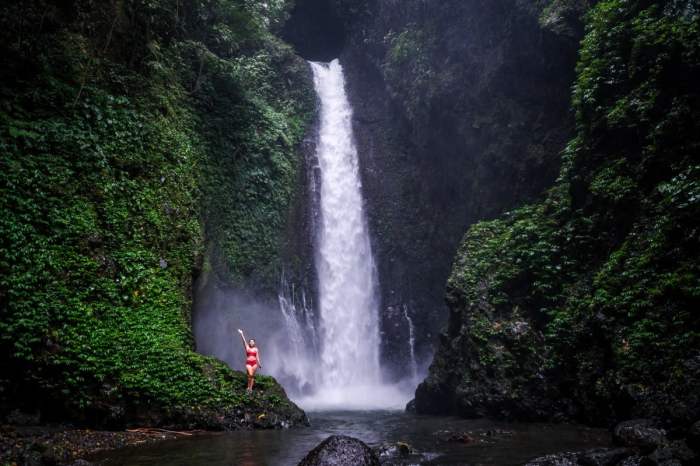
{"points": [[639, 433], [340, 450], [559, 459], [604, 456]]}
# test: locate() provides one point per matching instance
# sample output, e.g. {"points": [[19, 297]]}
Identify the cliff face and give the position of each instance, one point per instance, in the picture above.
{"points": [[142, 142], [461, 109], [584, 305]]}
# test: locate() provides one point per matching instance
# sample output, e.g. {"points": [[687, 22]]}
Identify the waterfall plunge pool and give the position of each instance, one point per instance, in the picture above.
{"points": [[437, 441]]}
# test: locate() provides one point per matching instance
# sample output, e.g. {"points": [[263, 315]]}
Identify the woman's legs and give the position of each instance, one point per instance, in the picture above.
{"points": [[251, 376]]}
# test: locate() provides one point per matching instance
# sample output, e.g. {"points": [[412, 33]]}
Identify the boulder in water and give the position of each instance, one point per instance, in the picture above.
{"points": [[340, 450], [394, 450], [593, 457], [559, 459], [604, 456], [639, 433]]}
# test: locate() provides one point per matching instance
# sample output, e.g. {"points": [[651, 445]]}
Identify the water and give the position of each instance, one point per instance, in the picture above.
{"points": [[349, 371], [301, 336], [411, 343], [515, 444]]}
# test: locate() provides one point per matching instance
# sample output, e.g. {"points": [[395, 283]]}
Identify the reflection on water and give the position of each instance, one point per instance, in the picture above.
{"points": [[513, 444]]}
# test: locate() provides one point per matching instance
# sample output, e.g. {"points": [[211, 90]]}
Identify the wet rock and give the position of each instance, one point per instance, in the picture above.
{"points": [[639, 433], [636, 461], [394, 450], [21, 418], [670, 462], [404, 449], [668, 454], [694, 436], [559, 459], [489, 436], [498, 433], [604, 456], [461, 438], [564, 18], [411, 406], [673, 452], [594, 457], [340, 450]]}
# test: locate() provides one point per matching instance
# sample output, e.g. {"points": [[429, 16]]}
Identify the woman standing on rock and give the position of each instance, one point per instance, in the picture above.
{"points": [[252, 361]]}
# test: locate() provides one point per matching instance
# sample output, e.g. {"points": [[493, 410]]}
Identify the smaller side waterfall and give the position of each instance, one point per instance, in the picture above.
{"points": [[411, 343], [293, 365]]}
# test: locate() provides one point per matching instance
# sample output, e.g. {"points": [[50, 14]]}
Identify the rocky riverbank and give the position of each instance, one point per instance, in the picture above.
{"points": [[27, 441], [64, 445], [639, 442]]}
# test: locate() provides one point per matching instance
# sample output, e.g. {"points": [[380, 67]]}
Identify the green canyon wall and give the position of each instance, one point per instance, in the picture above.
{"points": [[143, 144], [584, 305]]}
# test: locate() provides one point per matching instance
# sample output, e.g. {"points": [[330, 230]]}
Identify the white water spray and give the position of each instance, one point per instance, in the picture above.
{"points": [[297, 317], [349, 373]]}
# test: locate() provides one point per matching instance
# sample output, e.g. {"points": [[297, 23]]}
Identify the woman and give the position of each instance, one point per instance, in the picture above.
{"points": [[252, 361]]}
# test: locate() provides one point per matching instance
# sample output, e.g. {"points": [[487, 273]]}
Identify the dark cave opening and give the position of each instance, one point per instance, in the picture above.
{"points": [[315, 30]]}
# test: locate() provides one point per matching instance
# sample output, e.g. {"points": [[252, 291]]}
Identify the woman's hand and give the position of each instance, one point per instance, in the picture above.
{"points": [[240, 331]]}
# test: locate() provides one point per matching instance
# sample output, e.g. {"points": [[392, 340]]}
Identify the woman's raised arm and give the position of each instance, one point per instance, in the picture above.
{"points": [[245, 343]]}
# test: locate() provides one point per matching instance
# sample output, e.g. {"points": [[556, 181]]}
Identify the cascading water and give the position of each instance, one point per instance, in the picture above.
{"points": [[301, 337], [411, 343], [348, 370]]}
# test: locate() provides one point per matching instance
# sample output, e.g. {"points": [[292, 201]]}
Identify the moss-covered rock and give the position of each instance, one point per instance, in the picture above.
{"points": [[137, 138], [584, 306]]}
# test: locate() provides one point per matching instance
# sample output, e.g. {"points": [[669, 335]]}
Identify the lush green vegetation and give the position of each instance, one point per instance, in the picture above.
{"points": [[135, 136], [602, 277]]}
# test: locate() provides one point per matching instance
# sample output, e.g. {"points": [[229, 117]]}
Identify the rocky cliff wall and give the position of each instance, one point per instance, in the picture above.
{"points": [[584, 306]]}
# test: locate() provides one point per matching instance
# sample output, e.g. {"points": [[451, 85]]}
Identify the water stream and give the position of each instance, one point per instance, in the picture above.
{"points": [[436, 441], [411, 344]]}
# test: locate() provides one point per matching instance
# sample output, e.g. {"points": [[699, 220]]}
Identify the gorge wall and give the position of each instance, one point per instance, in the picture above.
{"points": [[584, 306], [145, 144]]}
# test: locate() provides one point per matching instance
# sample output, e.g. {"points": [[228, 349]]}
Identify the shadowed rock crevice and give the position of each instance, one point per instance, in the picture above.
{"points": [[315, 30]]}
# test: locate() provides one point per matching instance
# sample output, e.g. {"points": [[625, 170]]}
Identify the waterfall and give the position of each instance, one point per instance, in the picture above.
{"points": [[411, 343], [344, 263], [348, 372]]}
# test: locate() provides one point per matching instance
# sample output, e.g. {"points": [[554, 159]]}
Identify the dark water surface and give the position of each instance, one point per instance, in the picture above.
{"points": [[492, 443]]}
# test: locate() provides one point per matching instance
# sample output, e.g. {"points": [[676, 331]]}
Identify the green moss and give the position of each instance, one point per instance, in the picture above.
{"points": [[252, 168], [606, 266], [118, 123], [408, 67]]}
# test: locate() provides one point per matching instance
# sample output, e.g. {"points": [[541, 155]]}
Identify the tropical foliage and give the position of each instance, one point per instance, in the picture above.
{"points": [[136, 136]]}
